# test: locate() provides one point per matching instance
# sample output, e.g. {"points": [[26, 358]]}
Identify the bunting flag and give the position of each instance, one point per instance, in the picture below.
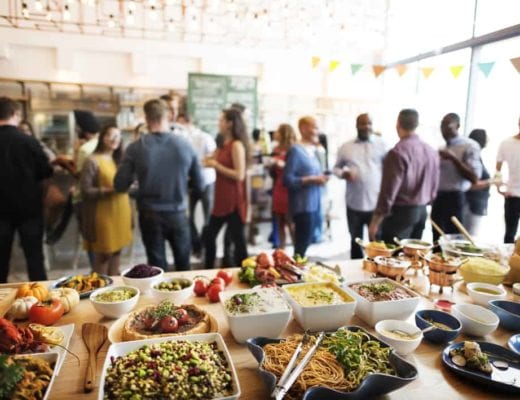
{"points": [[316, 62], [516, 63], [355, 68], [427, 71], [378, 69], [486, 68], [333, 65], [401, 69], [456, 70]]}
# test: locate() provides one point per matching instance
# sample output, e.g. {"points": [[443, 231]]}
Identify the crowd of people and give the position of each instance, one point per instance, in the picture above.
{"points": [[171, 165]]}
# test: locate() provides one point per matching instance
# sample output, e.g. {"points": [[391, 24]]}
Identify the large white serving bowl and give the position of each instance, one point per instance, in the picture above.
{"points": [[322, 317], [476, 320], [481, 298], [114, 309], [143, 284], [401, 346], [374, 311], [268, 324], [175, 296]]}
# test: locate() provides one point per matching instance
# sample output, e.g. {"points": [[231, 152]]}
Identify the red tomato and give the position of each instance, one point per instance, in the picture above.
{"points": [[47, 312], [180, 312], [218, 281], [213, 293], [169, 324], [201, 287], [184, 319], [226, 275]]}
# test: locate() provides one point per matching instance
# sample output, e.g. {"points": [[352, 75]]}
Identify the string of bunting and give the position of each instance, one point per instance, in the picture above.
{"points": [[485, 67]]}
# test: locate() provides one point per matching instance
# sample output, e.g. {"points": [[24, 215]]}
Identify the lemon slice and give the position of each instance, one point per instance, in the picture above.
{"points": [[47, 334]]}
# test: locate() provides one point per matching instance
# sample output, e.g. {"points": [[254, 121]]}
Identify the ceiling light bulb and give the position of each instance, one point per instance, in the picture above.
{"points": [[66, 13], [38, 6], [49, 14], [153, 13], [130, 20], [131, 5], [25, 10]]}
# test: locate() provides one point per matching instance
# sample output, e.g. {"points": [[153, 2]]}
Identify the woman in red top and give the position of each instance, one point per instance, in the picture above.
{"points": [[286, 137], [230, 204]]}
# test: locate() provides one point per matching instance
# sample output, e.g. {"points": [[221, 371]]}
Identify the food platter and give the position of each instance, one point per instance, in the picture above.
{"points": [[507, 380], [67, 330], [83, 294], [374, 384]]}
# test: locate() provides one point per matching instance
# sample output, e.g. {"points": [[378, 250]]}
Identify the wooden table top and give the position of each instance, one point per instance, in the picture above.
{"points": [[434, 380]]}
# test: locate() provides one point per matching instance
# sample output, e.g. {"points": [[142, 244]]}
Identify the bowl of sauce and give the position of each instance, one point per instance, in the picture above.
{"points": [[483, 293]]}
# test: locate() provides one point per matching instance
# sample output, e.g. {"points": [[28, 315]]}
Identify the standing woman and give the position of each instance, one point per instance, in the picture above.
{"points": [[230, 203], [106, 214], [304, 179], [285, 136]]}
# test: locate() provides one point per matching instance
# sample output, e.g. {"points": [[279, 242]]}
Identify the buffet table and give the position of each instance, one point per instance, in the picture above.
{"points": [[434, 380]]}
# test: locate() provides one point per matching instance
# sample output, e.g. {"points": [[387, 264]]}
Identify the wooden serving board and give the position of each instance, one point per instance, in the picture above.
{"points": [[7, 296]]}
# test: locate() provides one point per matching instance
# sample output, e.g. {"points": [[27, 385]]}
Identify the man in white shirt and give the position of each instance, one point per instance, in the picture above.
{"points": [[204, 146], [360, 163], [509, 153]]}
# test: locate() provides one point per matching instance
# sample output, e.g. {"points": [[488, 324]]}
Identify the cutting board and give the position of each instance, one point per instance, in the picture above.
{"points": [[7, 296]]}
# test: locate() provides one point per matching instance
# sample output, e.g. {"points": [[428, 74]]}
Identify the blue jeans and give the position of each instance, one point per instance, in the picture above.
{"points": [[304, 226], [206, 198], [160, 226]]}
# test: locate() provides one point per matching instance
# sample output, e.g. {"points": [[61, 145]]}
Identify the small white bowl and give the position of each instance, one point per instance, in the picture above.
{"points": [[401, 346], [143, 284], [175, 296], [481, 298], [269, 323], [114, 309], [476, 320]]}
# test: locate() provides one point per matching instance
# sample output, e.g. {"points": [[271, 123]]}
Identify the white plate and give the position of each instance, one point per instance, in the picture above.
{"points": [[121, 349], [49, 357], [68, 330]]}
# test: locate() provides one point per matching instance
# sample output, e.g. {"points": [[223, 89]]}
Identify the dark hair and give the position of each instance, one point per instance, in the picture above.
{"points": [[155, 110], [166, 97], [453, 117], [185, 116], [479, 136], [25, 122], [8, 107], [256, 134], [238, 127], [100, 148], [239, 106], [408, 119]]}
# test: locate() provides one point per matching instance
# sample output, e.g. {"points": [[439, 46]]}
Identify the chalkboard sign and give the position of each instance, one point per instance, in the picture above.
{"points": [[208, 95]]}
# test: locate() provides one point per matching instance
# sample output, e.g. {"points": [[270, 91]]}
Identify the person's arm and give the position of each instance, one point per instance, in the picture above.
{"points": [[42, 167], [292, 179], [126, 171], [196, 181], [466, 170], [238, 154], [342, 162], [89, 181]]}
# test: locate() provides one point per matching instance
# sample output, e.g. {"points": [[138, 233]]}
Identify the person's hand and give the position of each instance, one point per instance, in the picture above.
{"points": [[107, 190], [210, 162], [372, 230], [321, 179], [279, 163], [447, 154]]}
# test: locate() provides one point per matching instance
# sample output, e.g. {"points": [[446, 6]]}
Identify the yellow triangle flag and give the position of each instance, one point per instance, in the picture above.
{"points": [[333, 65], [378, 69], [427, 71], [456, 70], [516, 63], [401, 69], [316, 62]]}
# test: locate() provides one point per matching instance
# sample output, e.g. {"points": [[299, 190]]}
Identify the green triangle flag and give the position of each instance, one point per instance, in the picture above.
{"points": [[355, 68], [486, 67]]}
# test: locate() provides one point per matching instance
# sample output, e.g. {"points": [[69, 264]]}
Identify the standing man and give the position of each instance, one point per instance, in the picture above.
{"points": [[509, 153], [172, 122], [410, 181], [460, 168], [360, 163], [163, 164], [23, 166]]}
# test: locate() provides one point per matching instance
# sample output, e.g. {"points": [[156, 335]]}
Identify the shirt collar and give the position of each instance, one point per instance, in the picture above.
{"points": [[455, 140], [370, 139]]}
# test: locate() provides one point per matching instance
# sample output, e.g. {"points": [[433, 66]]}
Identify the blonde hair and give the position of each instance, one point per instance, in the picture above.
{"points": [[306, 120], [288, 135]]}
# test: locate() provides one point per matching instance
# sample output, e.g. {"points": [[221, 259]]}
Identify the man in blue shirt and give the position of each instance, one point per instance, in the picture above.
{"points": [[164, 165], [360, 163]]}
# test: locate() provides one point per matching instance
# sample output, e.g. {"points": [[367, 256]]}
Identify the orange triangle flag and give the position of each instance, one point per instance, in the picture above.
{"points": [[378, 69], [401, 69], [333, 65], [516, 63], [456, 70], [427, 71], [315, 62]]}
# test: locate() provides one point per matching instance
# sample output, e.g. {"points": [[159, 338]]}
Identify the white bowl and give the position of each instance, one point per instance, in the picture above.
{"points": [[401, 346], [482, 299], [321, 317], [51, 358], [476, 320], [175, 296], [374, 311], [114, 309], [121, 349], [143, 284], [269, 323]]}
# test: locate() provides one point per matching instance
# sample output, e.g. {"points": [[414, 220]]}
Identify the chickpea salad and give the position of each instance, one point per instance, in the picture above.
{"points": [[170, 370]]}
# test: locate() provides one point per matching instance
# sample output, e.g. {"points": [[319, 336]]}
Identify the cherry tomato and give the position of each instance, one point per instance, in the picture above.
{"points": [[149, 322], [201, 287], [213, 293], [47, 312], [180, 312], [169, 324], [184, 319], [226, 275], [218, 281]]}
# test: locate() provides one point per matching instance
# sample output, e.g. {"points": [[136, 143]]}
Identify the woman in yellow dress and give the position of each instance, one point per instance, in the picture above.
{"points": [[106, 214]]}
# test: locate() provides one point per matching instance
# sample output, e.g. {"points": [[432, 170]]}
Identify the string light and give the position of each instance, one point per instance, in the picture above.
{"points": [[153, 13], [111, 23], [25, 10], [38, 6], [66, 13]]}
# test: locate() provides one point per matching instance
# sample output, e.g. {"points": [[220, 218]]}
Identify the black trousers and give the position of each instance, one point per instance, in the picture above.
{"points": [[404, 222], [304, 225], [235, 227], [356, 221], [31, 239], [511, 216], [446, 205]]}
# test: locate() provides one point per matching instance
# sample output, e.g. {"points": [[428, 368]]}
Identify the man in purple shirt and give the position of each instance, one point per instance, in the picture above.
{"points": [[410, 181]]}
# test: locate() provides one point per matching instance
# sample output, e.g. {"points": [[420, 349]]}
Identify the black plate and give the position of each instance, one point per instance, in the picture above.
{"points": [[497, 379], [372, 385], [60, 282]]}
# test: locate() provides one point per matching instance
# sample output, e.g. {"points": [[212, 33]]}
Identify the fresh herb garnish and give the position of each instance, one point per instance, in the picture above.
{"points": [[10, 374], [378, 288]]}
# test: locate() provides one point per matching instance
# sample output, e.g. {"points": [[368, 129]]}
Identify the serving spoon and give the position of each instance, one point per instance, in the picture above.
{"points": [[413, 335]]}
